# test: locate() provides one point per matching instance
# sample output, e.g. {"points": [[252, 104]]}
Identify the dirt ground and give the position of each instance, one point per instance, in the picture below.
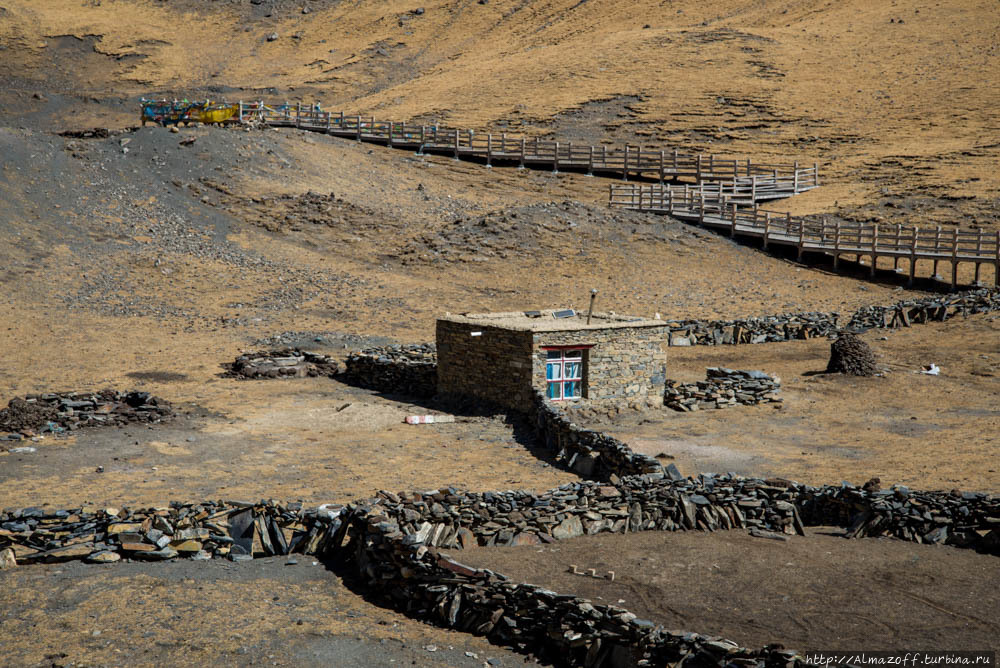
{"points": [[814, 592], [132, 261], [272, 611], [928, 432]]}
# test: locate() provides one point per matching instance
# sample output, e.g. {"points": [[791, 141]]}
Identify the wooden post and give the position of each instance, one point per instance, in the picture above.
{"points": [[795, 178], [697, 176], [711, 163], [455, 147], [590, 162], [979, 250], [701, 215], [748, 167], [329, 122], [874, 249], [913, 258], [836, 245], [298, 115], [661, 167], [732, 230], [489, 150], [753, 189], [954, 258], [341, 120], [521, 166], [767, 227], [625, 165], [675, 163], [895, 246], [555, 158], [670, 201], [996, 276], [359, 127], [423, 138], [802, 232], [391, 128], [638, 161], [241, 111]]}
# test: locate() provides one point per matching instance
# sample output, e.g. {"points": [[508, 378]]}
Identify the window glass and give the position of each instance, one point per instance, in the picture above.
{"points": [[554, 354], [572, 389], [575, 354], [553, 371], [553, 390], [573, 370]]}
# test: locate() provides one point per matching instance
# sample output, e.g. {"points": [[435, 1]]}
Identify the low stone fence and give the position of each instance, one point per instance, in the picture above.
{"points": [[67, 411], [791, 326], [930, 309], [721, 389], [590, 453], [396, 369], [285, 363], [392, 544]]}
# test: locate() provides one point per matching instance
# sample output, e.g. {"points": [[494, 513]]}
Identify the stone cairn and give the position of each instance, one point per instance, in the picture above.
{"points": [[397, 369], [852, 356], [58, 412], [722, 388], [284, 363]]}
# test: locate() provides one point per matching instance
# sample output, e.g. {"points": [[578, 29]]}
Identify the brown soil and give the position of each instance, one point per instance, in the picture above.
{"points": [[809, 593]]}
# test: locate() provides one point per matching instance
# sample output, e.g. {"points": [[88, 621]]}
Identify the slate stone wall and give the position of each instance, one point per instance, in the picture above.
{"points": [[625, 365], [495, 366], [409, 369]]}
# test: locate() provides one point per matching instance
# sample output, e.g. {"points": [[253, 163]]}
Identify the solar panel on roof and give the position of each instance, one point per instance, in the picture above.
{"points": [[533, 314], [568, 313]]}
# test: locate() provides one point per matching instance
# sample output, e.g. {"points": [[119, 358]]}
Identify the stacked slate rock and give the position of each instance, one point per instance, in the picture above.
{"points": [[790, 326], [852, 356], [590, 453], [67, 411], [199, 531], [396, 369], [767, 329], [723, 388], [929, 309], [285, 363]]}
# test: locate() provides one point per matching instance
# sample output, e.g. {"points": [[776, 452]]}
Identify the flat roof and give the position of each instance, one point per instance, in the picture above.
{"points": [[552, 320]]}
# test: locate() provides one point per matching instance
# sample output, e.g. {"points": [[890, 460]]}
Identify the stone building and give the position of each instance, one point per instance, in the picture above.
{"points": [[503, 357]]}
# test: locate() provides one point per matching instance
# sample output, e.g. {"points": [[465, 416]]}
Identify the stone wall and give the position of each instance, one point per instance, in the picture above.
{"points": [[790, 326], [494, 365], [625, 365], [590, 453], [284, 363], [722, 388], [409, 369]]}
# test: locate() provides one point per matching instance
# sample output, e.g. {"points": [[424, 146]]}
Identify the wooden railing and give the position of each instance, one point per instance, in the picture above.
{"points": [[732, 207], [773, 180]]}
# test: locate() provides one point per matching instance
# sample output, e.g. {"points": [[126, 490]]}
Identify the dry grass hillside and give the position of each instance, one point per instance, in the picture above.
{"points": [[898, 101]]}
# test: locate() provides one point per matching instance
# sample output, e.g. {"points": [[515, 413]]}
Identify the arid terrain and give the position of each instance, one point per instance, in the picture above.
{"points": [[131, 260]]}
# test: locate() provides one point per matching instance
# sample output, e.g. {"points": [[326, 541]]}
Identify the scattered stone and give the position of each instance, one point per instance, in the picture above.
{"points": [[68, 411]]}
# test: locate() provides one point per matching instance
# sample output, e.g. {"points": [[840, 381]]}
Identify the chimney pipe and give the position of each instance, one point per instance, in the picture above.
{"points": [[593, 296]]}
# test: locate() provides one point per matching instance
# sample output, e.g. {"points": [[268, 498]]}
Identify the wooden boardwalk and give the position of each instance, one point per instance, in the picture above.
{"points": [[626, 161], [723, 193], [733, 208]]}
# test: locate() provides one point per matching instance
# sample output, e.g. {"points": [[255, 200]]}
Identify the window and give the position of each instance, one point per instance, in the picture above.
{"points": [[564, 374]]}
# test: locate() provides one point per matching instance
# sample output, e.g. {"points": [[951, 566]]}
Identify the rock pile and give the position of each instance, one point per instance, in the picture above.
{"points": [[284, 363], [722, 388], [68, 411], [850, 355], [396, 369]]}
